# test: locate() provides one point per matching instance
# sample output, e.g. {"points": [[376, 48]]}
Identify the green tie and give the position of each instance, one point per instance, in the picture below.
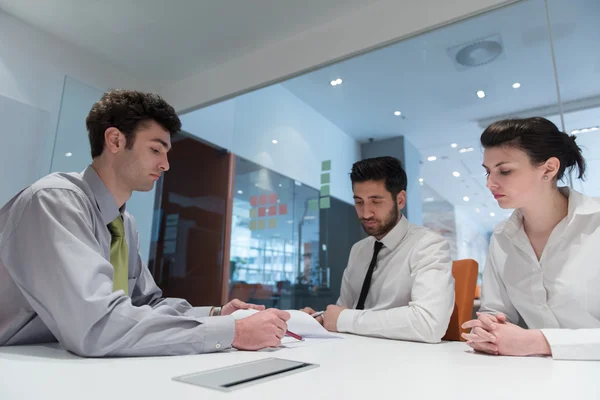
{"points": [[119, 254]]}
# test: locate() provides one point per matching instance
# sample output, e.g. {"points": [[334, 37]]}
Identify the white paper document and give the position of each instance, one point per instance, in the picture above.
{"points": [[300, 323]]}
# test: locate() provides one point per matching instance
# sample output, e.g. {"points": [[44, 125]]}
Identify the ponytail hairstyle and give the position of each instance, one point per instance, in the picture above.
{"points": [[540, 139]]}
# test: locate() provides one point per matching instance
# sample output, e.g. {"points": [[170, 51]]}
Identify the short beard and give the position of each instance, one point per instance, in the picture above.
{"points": [[387, 225]]}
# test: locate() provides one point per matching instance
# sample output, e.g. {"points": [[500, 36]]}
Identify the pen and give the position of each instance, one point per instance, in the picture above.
{"points": [[292, 334], [317, 314]]}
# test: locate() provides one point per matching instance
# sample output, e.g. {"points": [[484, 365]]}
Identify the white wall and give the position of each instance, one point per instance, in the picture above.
{"points": [[33, 66], [472, 240], [412, 166], [379, 23], [247, 125]]}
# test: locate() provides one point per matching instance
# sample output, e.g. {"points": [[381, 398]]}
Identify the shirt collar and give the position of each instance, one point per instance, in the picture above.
{"points": [[104, 198], [579, 204], [393, 238]]}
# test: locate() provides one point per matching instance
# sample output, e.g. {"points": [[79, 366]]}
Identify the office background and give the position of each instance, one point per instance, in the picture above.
{"points": [[277, 225]]}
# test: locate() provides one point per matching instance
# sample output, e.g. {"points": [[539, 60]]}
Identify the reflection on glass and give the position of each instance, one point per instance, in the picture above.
{"points": [[274, 237]]}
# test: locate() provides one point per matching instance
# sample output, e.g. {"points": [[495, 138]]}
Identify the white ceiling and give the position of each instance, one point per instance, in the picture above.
{"points": [[439, 102], [168, 41]]}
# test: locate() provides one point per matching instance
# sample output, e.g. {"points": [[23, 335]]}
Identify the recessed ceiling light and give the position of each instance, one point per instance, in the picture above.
{"points": [[69, 154], [477, 210], [454, 145], [456, 174], [466, 150], [516, 85], [290, 221], [492, 214], [420, 180], [428, 199], [280, 185], [480, 94], [431, 158], [466, 198], [585, 130], [397, 113], [240, 192], [336, 82], [274, 141]]}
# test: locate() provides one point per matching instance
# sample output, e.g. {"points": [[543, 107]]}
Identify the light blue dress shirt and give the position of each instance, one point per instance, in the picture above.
{"points": [[56, 279]]}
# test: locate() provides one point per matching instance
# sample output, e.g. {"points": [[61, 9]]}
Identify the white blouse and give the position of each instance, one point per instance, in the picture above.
{"points": [[560, 293]]}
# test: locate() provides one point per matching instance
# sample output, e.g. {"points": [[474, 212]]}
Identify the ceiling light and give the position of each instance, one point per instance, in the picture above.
{"points": [[585, 130], [428, 199], [274, 141], [477, 210], [280, 185], [454, 145], [492, 214], [420, 180], [431, 158], [516, 85], [466, 198], [290, 221], [466, 150], [480, 94], [456, 174], [397, 113], [336, 82], [310, 217], [240, 192], [69, 154]]}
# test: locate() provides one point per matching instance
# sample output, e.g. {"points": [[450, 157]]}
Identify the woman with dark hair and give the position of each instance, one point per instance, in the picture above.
{"points": [[543, 263]]}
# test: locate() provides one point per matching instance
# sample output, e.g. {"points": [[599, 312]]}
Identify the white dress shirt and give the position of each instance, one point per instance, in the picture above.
{"points": [[412, 290], [560, 293]]}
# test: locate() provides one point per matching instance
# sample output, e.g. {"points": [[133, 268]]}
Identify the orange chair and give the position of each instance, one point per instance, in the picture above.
{"points": [[465, 280]]}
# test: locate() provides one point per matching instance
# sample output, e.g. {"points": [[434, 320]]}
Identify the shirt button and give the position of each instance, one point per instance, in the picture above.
{"points": [[218, 346]]}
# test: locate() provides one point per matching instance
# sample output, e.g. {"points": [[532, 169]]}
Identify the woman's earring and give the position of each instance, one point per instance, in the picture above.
{"points": [[545, 177]]}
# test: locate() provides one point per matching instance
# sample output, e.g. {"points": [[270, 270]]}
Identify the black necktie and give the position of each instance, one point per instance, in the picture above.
{"points": [[367, 283]]}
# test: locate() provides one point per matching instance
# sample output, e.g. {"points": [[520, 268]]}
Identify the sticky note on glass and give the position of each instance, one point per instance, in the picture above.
{"points": [[282, 209], [272, 223], [272, 210], [313, 204], [326, 165], [253, 201], [253, 213], [261, 224], [324, 190], [273, 198], [325, 178], [325, 202], [263, 199], [253, 225], [262, 211]]}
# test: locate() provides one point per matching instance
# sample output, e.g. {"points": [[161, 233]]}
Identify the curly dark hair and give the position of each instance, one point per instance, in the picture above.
{"points": [[126, 110]]}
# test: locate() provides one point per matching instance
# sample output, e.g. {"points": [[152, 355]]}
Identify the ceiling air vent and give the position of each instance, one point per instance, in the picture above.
{"points": [[476, 53]]}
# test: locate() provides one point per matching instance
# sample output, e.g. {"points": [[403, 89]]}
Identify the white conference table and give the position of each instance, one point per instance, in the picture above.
{"points": [[353, 368]]}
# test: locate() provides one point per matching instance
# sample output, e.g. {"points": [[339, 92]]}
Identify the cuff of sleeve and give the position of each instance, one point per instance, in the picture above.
{"points": [[219, 333], [198, 312], [559, 344], [345, 322]]}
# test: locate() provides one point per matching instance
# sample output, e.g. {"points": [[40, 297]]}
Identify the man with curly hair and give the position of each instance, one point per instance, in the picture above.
{"points": [[70, 269]]}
